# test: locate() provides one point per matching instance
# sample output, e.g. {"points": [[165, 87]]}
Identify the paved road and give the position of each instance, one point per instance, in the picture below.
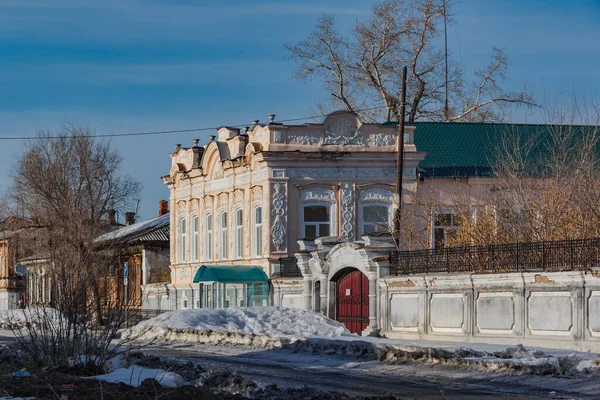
{"points": [[332, 374]]}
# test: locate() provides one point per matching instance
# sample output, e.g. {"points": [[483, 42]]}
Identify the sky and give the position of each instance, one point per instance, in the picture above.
{"points": [[121, 66]]}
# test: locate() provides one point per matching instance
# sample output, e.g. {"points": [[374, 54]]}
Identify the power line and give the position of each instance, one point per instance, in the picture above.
{"points": [[110, 135]]}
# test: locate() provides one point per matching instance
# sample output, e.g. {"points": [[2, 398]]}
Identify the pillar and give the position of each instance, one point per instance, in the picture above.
{"points": [[373, 328], [323, 289], [307, 292]]}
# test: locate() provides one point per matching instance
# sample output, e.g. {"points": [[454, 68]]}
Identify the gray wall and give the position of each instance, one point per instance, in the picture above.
{"points": [[560, 309]]}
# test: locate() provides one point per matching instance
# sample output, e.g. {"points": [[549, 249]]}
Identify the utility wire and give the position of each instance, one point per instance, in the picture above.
{"points": [[110, 135]]}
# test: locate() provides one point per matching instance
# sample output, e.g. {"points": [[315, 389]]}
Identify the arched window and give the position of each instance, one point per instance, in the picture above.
{"points": [[208, 232], [182, 240], [195, 238], [239, 232], [223, 235], [257, 232]]}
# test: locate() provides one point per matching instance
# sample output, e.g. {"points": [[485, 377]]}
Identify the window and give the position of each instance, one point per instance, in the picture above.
{"points": [[182, 240], [445, 228], [257, 232], [315, 221], [223, 236], [239, 239], [208, 232], [375, 218], [195, 238]]}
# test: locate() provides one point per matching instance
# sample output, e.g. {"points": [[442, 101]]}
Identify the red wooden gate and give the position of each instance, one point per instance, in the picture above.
{"points": [[353, 301]]}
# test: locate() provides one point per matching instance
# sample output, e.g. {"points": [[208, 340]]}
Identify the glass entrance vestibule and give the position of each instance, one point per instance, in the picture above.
{"points": [[232, 286]]}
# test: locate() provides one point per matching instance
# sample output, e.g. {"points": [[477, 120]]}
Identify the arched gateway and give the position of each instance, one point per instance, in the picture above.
{"points": [[352, 299]]}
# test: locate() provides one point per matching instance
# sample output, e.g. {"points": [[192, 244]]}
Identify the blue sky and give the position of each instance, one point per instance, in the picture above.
{"points": [[148, 65]]}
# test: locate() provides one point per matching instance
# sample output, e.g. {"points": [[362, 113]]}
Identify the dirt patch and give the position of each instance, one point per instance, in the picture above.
{"points": [[543, 279]]}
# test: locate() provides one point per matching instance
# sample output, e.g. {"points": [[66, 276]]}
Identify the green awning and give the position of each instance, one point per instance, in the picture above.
{"points": [[232, 274]]}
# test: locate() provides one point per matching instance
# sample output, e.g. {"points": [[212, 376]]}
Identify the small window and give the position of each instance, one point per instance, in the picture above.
{"points": [[445, 230], [184, 303], [316, 222], [257, 233], [239, 232]]}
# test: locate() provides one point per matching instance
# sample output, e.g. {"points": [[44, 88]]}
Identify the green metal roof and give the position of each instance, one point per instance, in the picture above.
{"points": [[469, 149], [231, 274]]}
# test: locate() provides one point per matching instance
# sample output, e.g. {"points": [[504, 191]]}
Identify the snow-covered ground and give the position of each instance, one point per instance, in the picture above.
{"points": [[134, 375], [264, 327], [17, 319], [307, 332]]}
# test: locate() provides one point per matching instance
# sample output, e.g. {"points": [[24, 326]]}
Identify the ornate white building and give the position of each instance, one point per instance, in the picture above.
{"points": [[247, 197]]}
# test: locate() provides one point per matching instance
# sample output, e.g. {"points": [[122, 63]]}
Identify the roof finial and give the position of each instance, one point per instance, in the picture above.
{"points": [[196, 141], [271, 118]]}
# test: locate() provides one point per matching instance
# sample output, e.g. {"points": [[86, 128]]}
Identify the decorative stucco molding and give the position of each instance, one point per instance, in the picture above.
{"points": [[347, 211], [383, 139], [279, 223], [302, 138], [318, 194], [376, 194], [342, 132]]}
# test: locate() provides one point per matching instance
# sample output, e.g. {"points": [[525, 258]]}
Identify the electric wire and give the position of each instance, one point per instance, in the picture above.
{"points": [[166, 132]]}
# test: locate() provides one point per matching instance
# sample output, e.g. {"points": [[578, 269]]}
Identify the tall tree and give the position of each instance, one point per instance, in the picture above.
{"points": [[361, 71], [64, 185]]}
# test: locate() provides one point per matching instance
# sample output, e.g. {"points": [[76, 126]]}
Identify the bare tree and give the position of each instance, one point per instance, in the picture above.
{"points": [[361, 72], [65, 184]]}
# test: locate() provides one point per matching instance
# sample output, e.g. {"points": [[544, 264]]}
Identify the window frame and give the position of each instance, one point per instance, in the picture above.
{"points": [[208, 236], [182, 238], [238, 234], [446, 228], [195, 225], [330, 209], [364, 223], [223, 242], [257, 232]]}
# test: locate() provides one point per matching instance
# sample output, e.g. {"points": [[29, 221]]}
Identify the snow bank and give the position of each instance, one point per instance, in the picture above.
{"points": [[135, 375], [18, 319], [253, 326]]}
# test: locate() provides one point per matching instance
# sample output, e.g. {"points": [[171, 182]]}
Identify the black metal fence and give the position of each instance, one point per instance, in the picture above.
{"points": [[561, 255], [288, 268]]}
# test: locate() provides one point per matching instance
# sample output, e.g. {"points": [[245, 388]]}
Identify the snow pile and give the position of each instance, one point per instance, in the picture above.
{"points": [[18, 319], [135, 375], [517, 360], [253, 326]]}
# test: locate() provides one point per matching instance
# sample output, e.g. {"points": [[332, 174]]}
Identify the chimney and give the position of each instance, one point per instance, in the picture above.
{"points": [[129, 218], [112, 221], [163, 207]]}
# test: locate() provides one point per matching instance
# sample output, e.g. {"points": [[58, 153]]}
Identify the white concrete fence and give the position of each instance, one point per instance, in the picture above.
{"points": [[559, 309]]}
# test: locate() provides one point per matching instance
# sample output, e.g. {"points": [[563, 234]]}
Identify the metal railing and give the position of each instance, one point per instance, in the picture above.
{"points": [[560, 255], [288, 268]]}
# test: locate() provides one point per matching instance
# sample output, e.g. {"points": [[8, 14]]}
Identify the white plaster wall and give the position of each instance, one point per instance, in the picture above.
{"points": [[560, 309]]}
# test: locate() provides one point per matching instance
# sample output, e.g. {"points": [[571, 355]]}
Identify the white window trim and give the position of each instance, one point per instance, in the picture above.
{"points": [[374, 203], [238, 235], [332, 216], [208, 237], [257, 240], [195, 225], [182, 236], [223, 236]]}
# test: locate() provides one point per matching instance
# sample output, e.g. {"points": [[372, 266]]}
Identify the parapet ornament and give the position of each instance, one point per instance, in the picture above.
{"points": [[279, 225], [342, 132]]}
